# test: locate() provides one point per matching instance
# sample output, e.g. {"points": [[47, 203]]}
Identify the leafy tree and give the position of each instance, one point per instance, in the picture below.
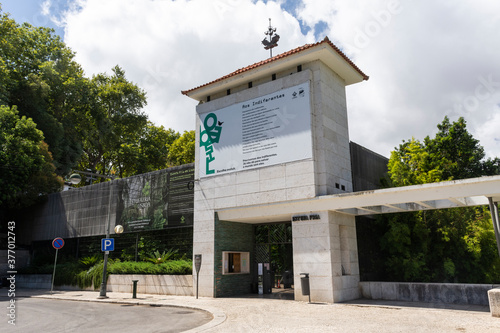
{"points": [[453, 245], [39, 76], [182, 150], [150, 152], [27, 172], [412, 164], [95, 123], [116, 120], [452, 154], [455, 151]]}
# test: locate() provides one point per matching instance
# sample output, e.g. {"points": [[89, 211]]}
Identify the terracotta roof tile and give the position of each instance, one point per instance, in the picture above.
{"points": [[281, 56]]}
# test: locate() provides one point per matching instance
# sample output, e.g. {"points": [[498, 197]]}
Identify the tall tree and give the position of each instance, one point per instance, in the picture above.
{"points": [[182, 150], [454, 245], [116, 120], [39, 76], [26, 169], [149, 153]]}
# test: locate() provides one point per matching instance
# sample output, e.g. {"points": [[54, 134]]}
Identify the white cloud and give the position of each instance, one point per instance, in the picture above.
{"points": [[169, 46], [425, 59]]}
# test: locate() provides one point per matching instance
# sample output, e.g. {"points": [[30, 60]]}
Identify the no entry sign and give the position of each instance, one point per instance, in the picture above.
{"points": [[58, 243]]}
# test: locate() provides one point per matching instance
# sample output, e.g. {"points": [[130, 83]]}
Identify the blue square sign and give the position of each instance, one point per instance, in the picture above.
{"points": [[107, 244]]}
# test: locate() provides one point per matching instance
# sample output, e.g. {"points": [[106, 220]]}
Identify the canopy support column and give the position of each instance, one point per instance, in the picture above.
{"points": [[495, 219]]}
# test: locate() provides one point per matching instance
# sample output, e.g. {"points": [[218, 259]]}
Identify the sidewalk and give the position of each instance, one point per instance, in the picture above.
{"points": [[257, 314]]}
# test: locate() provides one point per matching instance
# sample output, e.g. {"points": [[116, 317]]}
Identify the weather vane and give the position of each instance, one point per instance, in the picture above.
{"points": [[273, 39]]}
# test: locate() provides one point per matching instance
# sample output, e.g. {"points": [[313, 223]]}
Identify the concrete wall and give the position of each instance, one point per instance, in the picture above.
{"points": [[180, 285], [473, 294], [368, 168], [258, 186], [327, 250], [330, 131]]}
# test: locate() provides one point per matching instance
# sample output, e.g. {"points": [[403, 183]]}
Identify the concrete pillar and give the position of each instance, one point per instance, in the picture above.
{"points": [[204, 236], [327, 250]]}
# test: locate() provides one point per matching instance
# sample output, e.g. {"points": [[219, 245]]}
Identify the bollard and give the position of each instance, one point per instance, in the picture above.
{"points": [[134, 289], [304, 283]]}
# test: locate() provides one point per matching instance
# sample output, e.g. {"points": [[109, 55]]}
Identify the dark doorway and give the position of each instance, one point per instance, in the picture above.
{"points": [[273, 249]]}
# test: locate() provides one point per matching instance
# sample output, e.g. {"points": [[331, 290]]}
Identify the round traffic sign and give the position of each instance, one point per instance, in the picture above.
{"points": [[58, 243]]}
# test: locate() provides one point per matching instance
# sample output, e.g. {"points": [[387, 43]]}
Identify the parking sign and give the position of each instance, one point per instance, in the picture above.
{"points": [[107, 244]]}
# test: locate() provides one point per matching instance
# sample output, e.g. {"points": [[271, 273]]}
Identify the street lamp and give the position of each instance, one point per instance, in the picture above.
{"points": [[75, 179]]}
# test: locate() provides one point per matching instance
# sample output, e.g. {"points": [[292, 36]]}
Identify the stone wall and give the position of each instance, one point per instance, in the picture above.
{"points": [[180, 285], [472, 294], [327, 250]]}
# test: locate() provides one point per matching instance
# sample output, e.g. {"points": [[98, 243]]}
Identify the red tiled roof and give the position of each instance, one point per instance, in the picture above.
{"points": [[281, 56]]}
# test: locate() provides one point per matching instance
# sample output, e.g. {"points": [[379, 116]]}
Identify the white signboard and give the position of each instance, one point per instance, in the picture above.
{"points": [[264, 131]]}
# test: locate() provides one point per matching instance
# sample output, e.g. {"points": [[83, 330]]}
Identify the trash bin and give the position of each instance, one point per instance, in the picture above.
{"points": [[304, 283], [287, 279]]}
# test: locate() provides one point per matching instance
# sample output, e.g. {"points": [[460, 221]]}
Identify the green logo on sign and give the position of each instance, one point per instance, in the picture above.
{"points": [[208, 137]]}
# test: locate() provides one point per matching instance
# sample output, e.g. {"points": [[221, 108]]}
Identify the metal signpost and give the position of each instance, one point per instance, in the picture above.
{"points": [[57, 243], [197, 266], [107, 244]]}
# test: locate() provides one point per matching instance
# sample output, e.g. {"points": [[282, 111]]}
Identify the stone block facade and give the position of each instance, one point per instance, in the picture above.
{"points": [[325, 248]]}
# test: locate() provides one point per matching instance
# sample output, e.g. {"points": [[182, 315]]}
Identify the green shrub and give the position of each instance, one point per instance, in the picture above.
{"points": [[90, 261], [94, 274], [172, 267], [157, 258]]}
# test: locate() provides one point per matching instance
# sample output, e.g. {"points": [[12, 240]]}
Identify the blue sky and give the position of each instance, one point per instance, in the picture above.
{"points": [[425, 59], [29, 11]]}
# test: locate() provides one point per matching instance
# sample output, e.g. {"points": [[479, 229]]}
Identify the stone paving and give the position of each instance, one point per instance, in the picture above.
{"points": [[258, 314]]}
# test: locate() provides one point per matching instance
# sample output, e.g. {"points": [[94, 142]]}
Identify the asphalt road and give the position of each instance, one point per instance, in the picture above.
{"points": [[46, 315]]}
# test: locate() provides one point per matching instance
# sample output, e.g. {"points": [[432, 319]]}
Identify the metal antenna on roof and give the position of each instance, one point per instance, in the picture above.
{"points": [[273, 40]]}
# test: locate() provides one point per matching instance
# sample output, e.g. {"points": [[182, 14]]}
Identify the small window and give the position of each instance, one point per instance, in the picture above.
{"points": [[235, 262]]}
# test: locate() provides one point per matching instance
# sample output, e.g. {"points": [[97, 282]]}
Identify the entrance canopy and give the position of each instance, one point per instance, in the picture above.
{"points": [[450, 194]]}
